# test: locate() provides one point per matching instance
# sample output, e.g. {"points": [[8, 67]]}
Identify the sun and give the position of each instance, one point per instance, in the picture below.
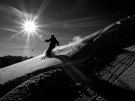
{"points": [[29, 26]]}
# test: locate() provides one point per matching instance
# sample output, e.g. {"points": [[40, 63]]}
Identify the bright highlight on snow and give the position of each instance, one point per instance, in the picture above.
{"points": [[29, 27]]}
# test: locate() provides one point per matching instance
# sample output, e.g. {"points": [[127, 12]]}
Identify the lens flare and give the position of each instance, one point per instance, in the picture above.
{"points": [[29, 27]]}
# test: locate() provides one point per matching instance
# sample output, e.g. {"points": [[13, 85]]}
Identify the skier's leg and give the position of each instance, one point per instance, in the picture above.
{"points": [[48, 52]]}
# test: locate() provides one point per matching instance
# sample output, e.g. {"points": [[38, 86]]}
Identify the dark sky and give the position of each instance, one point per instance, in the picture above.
{"points": [[63, 18]]}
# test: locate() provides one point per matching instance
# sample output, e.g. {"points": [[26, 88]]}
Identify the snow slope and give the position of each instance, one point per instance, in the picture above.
{"points": [[87, 52], [11, 72], [28, 66]]}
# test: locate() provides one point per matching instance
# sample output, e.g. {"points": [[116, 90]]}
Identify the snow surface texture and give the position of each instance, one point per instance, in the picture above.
{"points": [[21, 92]]}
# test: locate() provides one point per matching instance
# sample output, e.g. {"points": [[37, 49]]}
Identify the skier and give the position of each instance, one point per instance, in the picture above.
{"points": [[53, 42]]}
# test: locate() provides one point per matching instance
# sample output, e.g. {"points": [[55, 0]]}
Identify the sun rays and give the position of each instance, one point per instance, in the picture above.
{"points": [[26, 22], [28, 25]]}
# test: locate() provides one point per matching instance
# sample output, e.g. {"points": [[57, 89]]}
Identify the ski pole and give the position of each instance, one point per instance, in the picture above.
{"points": [[37, 46]]}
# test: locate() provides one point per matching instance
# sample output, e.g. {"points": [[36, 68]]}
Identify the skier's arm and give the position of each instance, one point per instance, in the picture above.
{"points": [[47, 40]]}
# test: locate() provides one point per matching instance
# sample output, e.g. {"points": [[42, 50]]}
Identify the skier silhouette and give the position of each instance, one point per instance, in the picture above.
{"points": [[53, 42]]}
